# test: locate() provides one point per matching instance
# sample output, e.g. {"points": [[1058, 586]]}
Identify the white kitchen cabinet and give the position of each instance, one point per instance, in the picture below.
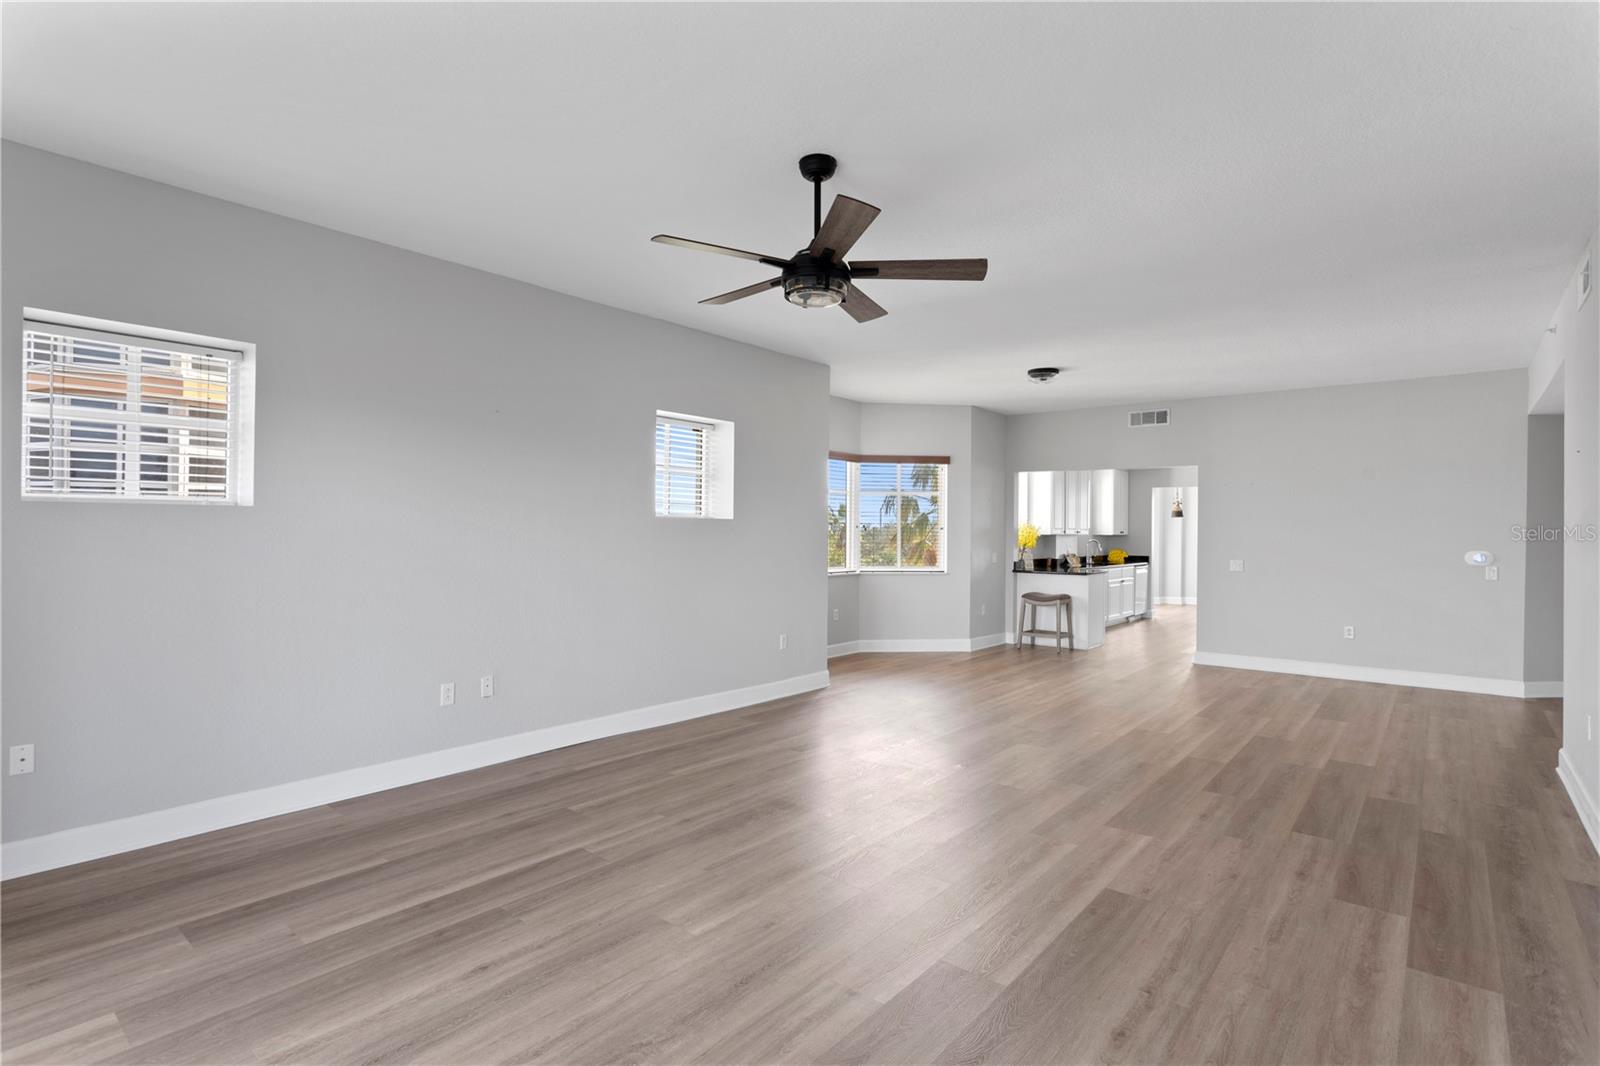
{"points": [[1119, 596], [1127, 593], [1110, 505], [1077, 500], [1042, 500]]}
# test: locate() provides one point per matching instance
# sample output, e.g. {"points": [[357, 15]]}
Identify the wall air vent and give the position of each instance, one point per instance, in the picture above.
{"points": [[1159, 416]]}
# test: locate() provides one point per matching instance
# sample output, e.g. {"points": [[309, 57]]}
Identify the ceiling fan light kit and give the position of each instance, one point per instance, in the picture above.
{"points": [[819, 275]]}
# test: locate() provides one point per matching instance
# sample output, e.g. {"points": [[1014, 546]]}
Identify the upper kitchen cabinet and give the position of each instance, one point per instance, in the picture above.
{"points": [[1077, 494], [1055, 501], [1039, 499], [1110, 502]]}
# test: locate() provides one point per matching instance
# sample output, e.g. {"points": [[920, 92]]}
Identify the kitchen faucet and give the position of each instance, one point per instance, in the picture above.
{"points": [[1096, 542]]}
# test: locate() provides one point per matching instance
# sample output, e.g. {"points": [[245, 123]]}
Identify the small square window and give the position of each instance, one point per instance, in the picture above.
{"points": [[693, 466]]}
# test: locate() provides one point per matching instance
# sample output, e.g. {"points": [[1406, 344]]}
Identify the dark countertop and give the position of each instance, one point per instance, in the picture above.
{"points": [[1099, 567]]}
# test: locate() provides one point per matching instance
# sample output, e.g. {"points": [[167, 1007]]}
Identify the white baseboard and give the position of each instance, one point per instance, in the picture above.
{"points": [[1541, 690], [942, 644], [21, 857], [1491, 686], [1588, 813], [1176, 601]]}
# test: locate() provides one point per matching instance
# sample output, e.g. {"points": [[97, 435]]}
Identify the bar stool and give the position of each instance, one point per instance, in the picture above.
{"points": [[1033, 601]]}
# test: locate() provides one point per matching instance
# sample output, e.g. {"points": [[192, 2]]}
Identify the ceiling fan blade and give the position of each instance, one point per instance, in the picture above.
{"points": [[847, 220], [748, 290], [923, 269], [719, 249], [859, 306]]}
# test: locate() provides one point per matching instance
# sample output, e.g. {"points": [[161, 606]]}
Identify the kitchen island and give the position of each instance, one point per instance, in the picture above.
{"points": [[1100, 596]]}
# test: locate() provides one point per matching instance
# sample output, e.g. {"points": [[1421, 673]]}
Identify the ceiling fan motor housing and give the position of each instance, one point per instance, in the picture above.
{"points": [[814, 281]]}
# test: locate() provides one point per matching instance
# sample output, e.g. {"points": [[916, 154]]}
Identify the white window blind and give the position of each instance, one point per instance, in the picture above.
{"points": [[681, 467], [112, 415], [886, 513]]}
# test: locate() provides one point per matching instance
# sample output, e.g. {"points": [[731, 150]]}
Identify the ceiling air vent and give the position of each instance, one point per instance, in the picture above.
{"points": [[1159, 416]]}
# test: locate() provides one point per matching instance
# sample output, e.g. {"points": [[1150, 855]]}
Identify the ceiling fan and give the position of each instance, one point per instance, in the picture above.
{"points": [[818, 275]]}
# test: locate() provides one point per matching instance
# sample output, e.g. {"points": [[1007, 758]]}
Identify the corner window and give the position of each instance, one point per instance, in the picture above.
{"points": [[693, 466], [111, 411], [886, 513]]}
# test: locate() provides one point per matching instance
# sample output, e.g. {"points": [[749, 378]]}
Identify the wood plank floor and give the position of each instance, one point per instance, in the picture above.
{"points": [[1005, 857]]}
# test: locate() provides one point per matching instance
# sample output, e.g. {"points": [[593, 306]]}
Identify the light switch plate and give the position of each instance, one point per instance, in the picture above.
{"points": [[21, 759], [1236, 565], [1491, 573]]}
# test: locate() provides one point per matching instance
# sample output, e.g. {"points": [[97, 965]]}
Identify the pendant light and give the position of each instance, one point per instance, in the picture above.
{"points": [[1177, 503]]}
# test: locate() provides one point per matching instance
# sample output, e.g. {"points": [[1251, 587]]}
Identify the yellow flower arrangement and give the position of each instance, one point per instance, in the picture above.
{"points": [[1117, 556], [1027, 536]]}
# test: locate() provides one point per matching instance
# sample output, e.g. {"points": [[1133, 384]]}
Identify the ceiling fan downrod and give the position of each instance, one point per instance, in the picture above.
{"points": [[817, 168]]}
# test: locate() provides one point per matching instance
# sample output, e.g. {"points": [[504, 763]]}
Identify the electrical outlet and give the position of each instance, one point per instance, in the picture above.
{"points": [[1349, 632], [486, 686], [836, 614], [447, 694], [994, 557], [1236, 565], [983, 608], [22, 758], [1491, 573], [783, 641]]}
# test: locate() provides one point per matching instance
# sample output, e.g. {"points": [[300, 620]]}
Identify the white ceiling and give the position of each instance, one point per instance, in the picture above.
{"points": [[1175, 200]]}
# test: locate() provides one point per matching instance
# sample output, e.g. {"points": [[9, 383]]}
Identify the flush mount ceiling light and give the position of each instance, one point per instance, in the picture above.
{"points": [[818, 275], [1042, 374]]}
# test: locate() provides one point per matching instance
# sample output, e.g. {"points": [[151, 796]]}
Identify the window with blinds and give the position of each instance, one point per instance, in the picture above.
{"points": [[841, 515], [681, 467], [108, 414], [886, 513]]}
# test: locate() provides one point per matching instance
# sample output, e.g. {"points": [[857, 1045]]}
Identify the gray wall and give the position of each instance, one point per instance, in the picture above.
{"points": [[446, 464], [1541, 637], [1349, 506]]}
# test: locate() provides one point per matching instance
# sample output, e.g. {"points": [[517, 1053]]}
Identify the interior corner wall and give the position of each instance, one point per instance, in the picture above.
{"points": [[989, 562], [926, 611], [1348, 505], [1542, 611], [442, 471], [1573, 350], [911, 606]]}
